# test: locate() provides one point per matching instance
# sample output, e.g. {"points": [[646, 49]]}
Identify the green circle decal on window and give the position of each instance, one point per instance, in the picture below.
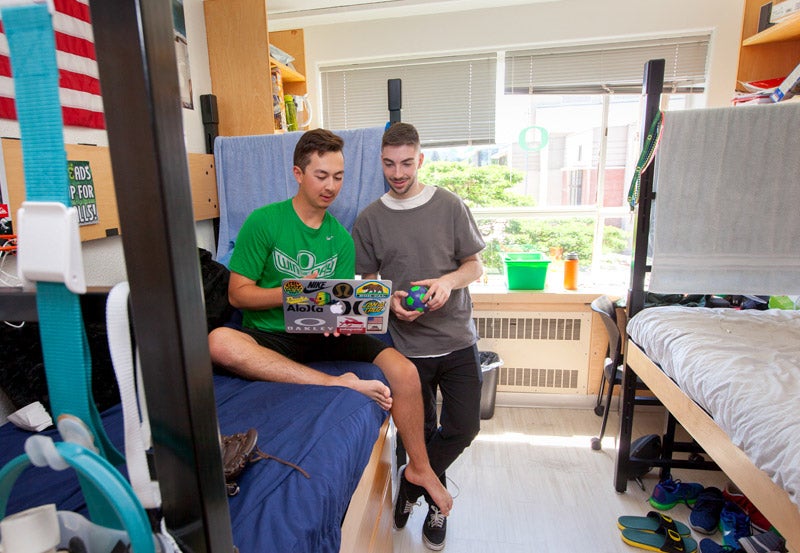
{"points": [[544, 137]]}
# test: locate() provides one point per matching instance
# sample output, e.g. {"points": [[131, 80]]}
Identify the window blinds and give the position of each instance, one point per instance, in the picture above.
{"points": [[598, 68], [451, 100]]}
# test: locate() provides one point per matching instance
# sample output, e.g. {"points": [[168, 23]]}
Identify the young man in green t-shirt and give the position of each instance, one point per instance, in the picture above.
{"points": [[298, 238]]}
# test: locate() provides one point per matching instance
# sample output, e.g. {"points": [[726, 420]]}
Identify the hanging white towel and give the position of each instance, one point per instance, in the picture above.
{"points": [[727, 209]]}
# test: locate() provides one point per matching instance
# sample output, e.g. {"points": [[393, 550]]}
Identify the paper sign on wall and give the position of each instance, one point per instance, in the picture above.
{"points": [[81, 191]]}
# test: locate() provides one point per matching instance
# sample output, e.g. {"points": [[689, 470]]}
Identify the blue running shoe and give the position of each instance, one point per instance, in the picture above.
{"points": [[710, 546], [669, 493], [705, 513], [734, 524]]}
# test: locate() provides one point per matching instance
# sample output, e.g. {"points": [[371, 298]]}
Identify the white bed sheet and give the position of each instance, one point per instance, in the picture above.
{"points": [[743, 367]]}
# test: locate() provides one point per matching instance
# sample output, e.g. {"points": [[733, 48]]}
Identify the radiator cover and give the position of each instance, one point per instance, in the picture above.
{"points": [[542, 352]]}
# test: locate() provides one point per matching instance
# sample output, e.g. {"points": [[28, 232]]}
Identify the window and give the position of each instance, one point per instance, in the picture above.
{"points": [[564, 140], [575, 187], [451, 100], [606, 68]]}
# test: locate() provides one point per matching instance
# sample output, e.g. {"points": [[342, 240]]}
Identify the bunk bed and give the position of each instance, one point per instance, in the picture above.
{"points": [[338, 436], [729, 377]]}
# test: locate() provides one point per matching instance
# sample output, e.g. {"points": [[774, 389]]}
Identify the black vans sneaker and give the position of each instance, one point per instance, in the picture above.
{"points": [[767, 542], [402, 505], [435, 529]]}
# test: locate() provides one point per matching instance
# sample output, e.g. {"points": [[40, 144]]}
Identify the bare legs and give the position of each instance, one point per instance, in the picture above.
{"points": [[239, 353], [408, 417]]}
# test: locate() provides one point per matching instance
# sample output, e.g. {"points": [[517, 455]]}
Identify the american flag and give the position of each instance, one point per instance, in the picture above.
{"points": [[79, 85]]}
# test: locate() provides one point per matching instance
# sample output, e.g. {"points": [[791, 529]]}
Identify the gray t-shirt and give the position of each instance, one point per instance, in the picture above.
{"points": [[416, 244]]}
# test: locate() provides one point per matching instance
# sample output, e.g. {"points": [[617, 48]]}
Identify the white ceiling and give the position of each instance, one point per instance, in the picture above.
{"points": [[284, 14]]}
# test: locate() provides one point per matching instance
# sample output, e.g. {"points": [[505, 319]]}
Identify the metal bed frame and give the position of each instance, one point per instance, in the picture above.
{"points": [[652, 89]]}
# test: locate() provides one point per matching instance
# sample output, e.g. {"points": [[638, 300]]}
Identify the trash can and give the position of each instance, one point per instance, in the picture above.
{"points": [[490, 362]]}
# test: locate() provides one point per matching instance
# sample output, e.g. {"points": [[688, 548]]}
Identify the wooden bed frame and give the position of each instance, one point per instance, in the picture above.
{"points": [[367, 526], [772, 500]]}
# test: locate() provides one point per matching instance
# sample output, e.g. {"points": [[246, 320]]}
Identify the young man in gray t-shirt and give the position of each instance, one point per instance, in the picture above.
{"points": [[422, 235]]}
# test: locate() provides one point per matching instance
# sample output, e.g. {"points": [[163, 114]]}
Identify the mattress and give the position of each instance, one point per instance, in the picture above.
{"points": [[328, 431], [743, 368]]}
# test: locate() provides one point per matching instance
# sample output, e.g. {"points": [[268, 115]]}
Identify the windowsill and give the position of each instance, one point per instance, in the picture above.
{"points": [[498, 293]]}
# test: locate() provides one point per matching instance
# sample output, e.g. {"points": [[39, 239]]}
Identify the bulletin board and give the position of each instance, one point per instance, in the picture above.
{"points": [[202, 177]]}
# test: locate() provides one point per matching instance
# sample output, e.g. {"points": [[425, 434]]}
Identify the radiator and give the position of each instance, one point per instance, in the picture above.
{"points": [[542, 352]]}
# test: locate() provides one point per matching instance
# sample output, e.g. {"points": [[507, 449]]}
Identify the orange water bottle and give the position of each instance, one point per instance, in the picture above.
{"points": [[571, 271]]}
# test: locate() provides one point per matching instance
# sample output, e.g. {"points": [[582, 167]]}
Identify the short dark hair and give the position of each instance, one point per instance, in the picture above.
{"points": [[317, 141], [400, 134]]}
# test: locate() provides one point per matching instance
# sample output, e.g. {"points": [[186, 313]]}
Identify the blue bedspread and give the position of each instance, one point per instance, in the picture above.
{"points": [[328, 431]]}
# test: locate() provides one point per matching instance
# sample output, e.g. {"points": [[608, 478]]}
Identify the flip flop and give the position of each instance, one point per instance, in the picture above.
{"points": [[668, 541], [651, 523]]}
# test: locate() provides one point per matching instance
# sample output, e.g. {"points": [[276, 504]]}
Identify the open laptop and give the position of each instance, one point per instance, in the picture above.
{"points": [[335, 305]]}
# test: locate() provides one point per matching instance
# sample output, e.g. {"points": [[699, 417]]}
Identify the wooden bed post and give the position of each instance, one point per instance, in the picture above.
{"points": [[652, 88], [139, 79]]}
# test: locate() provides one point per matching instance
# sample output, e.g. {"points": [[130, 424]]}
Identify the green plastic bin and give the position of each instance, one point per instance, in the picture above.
{"points": [[526, 270]]}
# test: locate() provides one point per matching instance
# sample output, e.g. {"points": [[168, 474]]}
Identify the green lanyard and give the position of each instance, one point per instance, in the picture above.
{"points": [[645, 159]]}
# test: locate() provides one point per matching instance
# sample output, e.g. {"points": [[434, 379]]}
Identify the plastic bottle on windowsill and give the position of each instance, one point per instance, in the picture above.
{"points": [[571, 271]]}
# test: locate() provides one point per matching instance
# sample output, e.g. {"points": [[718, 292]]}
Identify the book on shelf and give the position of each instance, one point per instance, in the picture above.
{"points": [[756, 92], [789, 87], [765, 17], [782, 10]]}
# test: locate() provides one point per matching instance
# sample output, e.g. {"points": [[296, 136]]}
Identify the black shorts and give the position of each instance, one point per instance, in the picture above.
{"points": [[305, 348]]}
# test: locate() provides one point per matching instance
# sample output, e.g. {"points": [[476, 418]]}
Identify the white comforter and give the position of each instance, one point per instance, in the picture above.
{"points": [[743, 367]]}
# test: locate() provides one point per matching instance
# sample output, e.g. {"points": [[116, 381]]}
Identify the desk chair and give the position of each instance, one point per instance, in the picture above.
{"points": [[612, 370]]}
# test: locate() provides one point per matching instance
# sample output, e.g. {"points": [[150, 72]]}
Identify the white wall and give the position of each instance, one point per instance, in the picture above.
{"points": [[560, 22], [104, 259]]}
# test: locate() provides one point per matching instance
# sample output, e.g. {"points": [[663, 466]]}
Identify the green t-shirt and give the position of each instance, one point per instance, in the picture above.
{"points": [[274, 244]]}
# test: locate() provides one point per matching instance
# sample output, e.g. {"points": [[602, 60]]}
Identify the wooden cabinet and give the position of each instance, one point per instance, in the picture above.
{"points": [[238, 38], [772, 53]]}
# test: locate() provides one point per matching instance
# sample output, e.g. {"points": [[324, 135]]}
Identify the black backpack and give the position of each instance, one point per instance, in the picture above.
{"points": [[215, 290], [645, 448]]}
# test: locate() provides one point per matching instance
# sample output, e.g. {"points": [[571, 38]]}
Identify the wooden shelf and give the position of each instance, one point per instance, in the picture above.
{"points": [[772, 53], [288, 74], [789, 29]]}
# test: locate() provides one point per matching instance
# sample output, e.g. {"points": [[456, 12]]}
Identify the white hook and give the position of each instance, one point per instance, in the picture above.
{"points": [[74, 430], [43, 453]]}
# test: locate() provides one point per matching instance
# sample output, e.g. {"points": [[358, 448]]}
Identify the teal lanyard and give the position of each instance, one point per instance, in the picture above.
{"points": [[67, 359]]}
